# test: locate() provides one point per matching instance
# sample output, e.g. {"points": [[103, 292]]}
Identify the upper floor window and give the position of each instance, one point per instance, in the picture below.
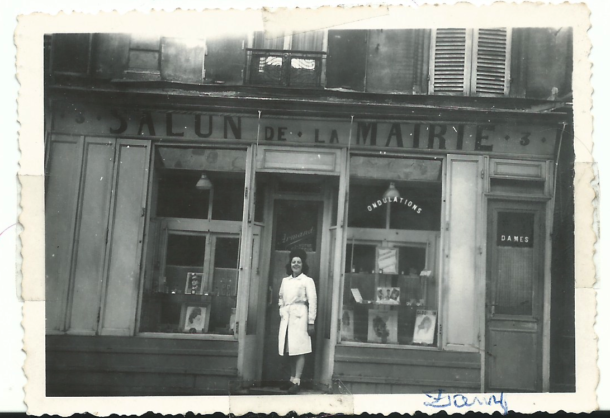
{"points": [[144, 54], [153, 57], [291, 60], [473, 62]]}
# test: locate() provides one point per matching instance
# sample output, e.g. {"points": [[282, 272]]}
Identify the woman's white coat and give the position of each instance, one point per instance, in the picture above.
{"points": [[295, 314]]}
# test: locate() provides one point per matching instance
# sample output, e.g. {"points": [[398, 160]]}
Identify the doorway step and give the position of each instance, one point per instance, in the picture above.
{"points": [[276, 388]]}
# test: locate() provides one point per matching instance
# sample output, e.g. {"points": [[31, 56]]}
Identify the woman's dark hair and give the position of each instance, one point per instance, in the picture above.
{"points": [[194, 314], [303, 256]]}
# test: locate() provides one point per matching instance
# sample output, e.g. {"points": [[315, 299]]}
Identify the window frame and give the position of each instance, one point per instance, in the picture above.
{"points": [[211, 230], [157, 248], [432, 241]]}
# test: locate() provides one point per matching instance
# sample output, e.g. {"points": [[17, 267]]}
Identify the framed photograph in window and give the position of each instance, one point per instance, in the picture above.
{"points": [[387, 260], [194, 284], [388, 295], [425, 324], [383, 326], [196, 320], [347, 325]]}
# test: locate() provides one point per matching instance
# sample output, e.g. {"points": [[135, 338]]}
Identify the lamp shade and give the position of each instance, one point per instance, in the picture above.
{"points": [[203, 183], [392, 191]]}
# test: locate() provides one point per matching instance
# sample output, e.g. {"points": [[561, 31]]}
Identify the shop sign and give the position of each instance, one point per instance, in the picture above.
{"points": [[515, 229], [488, 138], [401, 200]]}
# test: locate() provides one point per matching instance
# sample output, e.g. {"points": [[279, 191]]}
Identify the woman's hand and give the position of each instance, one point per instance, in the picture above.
{"points": [[310, 329]]}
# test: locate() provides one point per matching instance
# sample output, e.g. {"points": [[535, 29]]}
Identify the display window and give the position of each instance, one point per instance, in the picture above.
{"points": [[194, 240], [390, 290]]}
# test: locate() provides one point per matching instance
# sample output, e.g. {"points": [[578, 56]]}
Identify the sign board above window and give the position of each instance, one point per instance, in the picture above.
{"points": [[484, 138]]}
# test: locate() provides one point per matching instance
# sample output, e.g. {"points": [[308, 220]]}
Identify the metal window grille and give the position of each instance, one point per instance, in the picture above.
{"points": [[285, 68]]}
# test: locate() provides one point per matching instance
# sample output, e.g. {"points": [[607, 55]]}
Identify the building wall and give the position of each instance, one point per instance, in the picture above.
{"points": [[386, 370], [132, 366], [374, 61]]}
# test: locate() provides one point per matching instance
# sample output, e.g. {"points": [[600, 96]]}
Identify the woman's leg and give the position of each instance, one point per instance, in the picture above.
{"points": [[299, 364], [293, 366]]}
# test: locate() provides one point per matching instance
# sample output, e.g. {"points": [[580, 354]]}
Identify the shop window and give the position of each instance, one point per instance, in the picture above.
{"points": [[470, 62], [390, 290], [192, 262], [293, 60]]}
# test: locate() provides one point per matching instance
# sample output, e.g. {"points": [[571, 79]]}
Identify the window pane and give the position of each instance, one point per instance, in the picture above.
{"points": [[179, 198], [227, 250], [171, 306], [515, 252], [228, 202], [266, 69], [297, 225], [417, 208], [366, 209], [304, 72], [224, 295]]}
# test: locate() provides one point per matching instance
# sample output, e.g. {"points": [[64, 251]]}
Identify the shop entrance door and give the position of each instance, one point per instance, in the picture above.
{"points": [[296, 224], [515, 284]]}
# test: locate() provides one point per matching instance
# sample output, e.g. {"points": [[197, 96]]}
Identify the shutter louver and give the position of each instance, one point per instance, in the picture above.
{"points": [[450, 61], [490, 75]]}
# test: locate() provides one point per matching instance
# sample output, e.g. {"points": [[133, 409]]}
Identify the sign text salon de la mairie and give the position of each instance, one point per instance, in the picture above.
{"points": [[487, 138]]}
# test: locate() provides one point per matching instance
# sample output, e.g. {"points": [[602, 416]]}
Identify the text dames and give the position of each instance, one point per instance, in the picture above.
{"points": [[515, 238]]}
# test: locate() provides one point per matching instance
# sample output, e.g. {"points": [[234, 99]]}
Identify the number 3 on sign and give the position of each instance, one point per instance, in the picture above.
{"points": [[525, 139]]}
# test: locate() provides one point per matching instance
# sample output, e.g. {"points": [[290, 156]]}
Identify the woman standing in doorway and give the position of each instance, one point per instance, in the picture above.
{"points": [[298, 306]]}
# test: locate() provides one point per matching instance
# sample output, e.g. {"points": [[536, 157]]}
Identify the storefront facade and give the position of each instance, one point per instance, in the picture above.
{"points": [[170, 215]]}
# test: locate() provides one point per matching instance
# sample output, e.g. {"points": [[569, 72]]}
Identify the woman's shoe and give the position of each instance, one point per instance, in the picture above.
{"points": [[286, 385], [294, 389]]}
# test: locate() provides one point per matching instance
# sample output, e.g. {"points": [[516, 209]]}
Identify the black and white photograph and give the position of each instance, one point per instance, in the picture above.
{"points": [[338, 210]]}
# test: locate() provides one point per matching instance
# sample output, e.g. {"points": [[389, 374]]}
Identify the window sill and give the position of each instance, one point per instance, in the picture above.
{"points": [[391, 346], [175, 336]]}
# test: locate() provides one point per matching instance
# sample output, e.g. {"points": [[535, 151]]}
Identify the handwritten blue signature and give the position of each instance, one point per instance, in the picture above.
{"points": [[444, 400]]}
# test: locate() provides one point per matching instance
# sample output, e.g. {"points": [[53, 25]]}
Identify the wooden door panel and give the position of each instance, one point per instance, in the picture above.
{"points": [[274, 367], [90, 243], [125, 238], [514, 296], [462, 264], [514, 364], [64, 167]]}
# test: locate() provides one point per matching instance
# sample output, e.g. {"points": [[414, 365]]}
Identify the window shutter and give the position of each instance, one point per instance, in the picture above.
{"points": [[491, 72], [450, 63]]}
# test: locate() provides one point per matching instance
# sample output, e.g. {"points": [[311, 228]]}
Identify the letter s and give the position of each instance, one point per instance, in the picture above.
{"points": [[122, 123]]}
